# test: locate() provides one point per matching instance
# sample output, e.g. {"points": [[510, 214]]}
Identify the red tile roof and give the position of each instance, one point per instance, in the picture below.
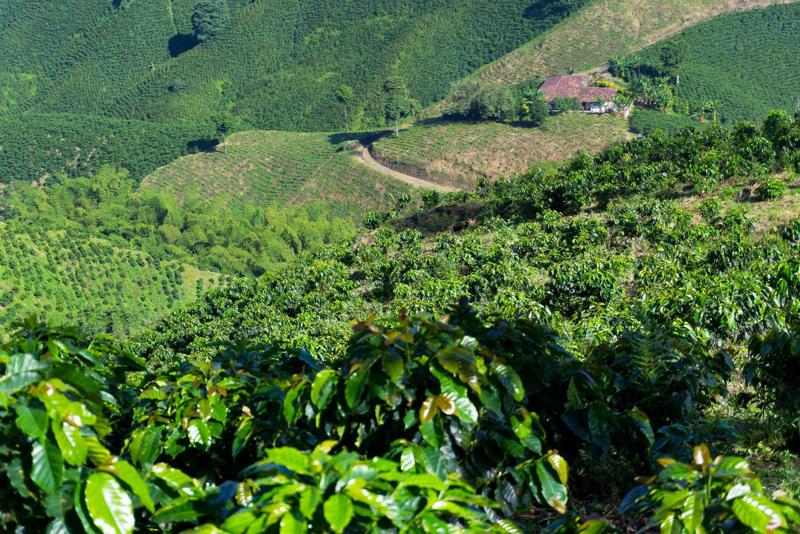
{"points": [[576, 87]]}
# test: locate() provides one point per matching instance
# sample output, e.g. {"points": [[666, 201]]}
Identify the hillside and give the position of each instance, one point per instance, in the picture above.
{"points": [[278, 168], [601, 29], [745, 63], [69, 276], [459, 153], [317, 266], [37, 146], [277, 64], [625, 307]]}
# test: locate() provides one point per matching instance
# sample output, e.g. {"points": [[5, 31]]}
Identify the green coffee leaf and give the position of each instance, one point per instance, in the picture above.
{"points": [[510, 380], [758, 513], [70, 441], [322, 388], [110, 507], [22, 371], [338, 511], [393, 365], [32, 421], [554, 493], [145, 445], [293, 524], [290, 458], [199, 433], [47, 468], [127, 474]]}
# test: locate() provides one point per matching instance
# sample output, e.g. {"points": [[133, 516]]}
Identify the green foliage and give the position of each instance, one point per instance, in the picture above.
{"points": [[561, 105], [209, 19], [348, 494], [258, 168], [745, 62], [674, 54], [62, 415], [276, 65], [506, 104], [646, 121], [772, 189], [398, 104], [38, 146], [719, 494], [57, 403], [772, 367], [225, 239], [70, 275]]}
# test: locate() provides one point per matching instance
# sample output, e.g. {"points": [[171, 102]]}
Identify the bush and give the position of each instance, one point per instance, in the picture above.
{"points": [[561, 105], [711, 495], [772, 189]]}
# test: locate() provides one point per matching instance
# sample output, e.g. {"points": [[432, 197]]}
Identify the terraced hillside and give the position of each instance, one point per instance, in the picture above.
{"points": [[278, 168], [745, 63], [69, 276], [276, 64], [603, 28], [458, 153]]}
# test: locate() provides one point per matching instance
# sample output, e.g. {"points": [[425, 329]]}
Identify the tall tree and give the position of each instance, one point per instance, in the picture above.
{"points": [[346, 97], [534, 106], [398, 104], [209, 18], [673, 55]]}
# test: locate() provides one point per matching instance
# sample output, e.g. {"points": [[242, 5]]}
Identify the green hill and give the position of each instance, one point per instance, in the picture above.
{"points": [[68, 275], [601, 29], [278, 168], [745, 63], [277, 64], [36, 146]]}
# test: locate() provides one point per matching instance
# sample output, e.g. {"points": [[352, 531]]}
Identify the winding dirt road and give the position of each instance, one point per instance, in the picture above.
{"points": [[362, 154]]}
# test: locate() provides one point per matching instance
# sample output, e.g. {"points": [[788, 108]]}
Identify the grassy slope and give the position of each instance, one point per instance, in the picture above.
{"points": [[747, 63], [602, 29], [260, 167], [69, 276], [459, 153]]}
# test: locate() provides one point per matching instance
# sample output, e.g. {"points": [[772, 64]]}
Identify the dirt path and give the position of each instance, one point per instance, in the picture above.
{"points": [[362, 154]]}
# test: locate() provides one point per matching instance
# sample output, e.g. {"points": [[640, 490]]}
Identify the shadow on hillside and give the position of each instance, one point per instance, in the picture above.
{"points": [[178, 44], [447, 218], [202, 145], [544, 9], [365, 138], [444, 121]]}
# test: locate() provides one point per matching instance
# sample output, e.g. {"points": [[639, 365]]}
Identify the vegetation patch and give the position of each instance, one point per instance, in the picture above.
{"points": [[278, 168], [461, 153], [598, 31], [743, 64]]}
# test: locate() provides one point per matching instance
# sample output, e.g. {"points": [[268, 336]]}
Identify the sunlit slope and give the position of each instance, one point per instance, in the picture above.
{"points": [[70, 276], [459, 153], [591, 36], [278, 168], [278, 64]]}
